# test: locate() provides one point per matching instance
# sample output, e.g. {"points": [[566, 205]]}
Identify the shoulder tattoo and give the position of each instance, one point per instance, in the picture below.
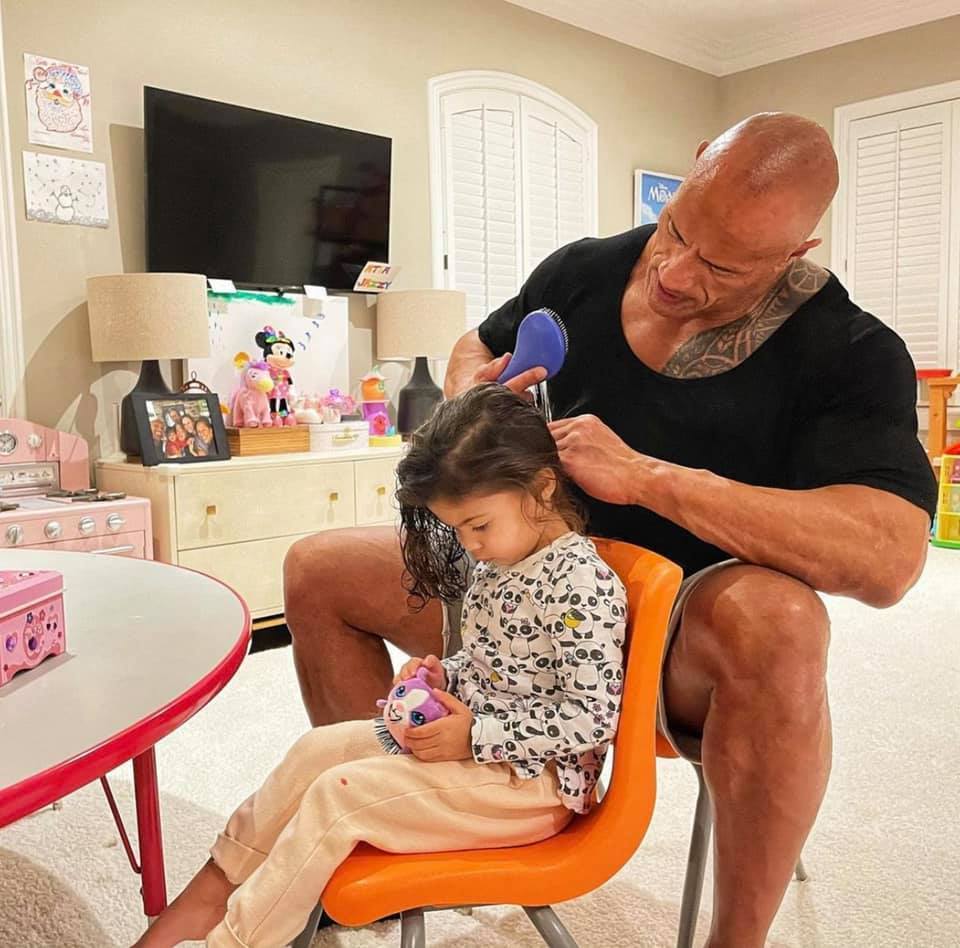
{"points": [[721, 349]]}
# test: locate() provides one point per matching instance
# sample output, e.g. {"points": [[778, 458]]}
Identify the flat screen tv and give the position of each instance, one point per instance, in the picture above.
{"points": [[264, 200]]}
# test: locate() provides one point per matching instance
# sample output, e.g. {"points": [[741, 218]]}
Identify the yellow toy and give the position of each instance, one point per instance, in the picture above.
{"points": [[947, 530]]}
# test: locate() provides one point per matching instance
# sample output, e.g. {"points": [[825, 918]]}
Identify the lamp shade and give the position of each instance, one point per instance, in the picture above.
{"points": [[148, 316], [413, 323]]}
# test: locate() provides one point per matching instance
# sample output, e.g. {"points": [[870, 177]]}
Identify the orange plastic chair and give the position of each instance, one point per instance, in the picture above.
{"points": [[371, 884]]}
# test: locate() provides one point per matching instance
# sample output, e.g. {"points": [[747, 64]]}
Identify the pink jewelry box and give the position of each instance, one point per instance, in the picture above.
{"points": [[31, 619]]}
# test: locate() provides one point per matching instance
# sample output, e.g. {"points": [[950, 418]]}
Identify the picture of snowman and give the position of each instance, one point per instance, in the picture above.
{"points": [[65, 209]]}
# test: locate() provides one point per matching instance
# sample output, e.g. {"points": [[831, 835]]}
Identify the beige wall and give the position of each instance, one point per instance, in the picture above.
{"points": [[359, 64], [815, 84]]}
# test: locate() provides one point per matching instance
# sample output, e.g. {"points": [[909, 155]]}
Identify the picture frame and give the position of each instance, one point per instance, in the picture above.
{"points": [[180, 428], [651, 191]]}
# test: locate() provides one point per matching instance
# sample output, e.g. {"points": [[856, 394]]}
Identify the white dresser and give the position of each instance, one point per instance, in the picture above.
{"points": [[236, 519]]}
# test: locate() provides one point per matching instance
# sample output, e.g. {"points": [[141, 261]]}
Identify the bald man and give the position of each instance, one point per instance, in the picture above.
{"points": [[726, 404]]}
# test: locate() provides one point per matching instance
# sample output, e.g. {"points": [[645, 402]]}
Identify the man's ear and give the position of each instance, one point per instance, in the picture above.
{"points": [[702, 147], [805, 247]]}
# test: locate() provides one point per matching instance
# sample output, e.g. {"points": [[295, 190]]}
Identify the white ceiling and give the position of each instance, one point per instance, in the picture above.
{"points": [[727, 36]]}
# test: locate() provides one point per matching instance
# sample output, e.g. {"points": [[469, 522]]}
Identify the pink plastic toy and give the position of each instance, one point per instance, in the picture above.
{"points": [[250, 404], [409, 704], [31, 619]]}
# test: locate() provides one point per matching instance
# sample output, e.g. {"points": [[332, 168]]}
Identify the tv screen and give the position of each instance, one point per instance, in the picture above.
{"points": [[264, 200]]}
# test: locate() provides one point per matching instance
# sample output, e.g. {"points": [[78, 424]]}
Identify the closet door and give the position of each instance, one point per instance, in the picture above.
{"points": [[899, 172]]}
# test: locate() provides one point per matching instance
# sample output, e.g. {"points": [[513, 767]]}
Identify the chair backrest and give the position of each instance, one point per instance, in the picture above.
{"points": [[615, 828]]}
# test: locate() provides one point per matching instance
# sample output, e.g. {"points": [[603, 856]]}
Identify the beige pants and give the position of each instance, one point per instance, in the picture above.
{"points": [[336, 787]]}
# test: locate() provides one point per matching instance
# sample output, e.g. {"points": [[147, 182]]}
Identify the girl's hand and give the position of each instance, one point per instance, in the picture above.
{"points": [[446, 739], [436, 676]]}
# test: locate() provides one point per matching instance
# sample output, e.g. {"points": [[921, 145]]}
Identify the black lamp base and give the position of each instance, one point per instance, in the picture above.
{"points": [[150, 382], [417, 399]]}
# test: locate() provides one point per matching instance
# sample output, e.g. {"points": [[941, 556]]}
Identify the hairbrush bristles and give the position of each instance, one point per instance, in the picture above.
{"points": [[563, 328]]}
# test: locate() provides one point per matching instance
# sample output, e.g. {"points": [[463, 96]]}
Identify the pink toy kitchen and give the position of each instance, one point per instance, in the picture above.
{"points": [[46, 501]]}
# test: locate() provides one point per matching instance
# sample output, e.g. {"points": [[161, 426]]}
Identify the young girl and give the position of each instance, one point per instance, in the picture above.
{"points": [[532, 694]]}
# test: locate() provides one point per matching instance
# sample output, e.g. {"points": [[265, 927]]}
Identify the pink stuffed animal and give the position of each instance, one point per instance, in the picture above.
{"points": [[250, 405], [410, 704]]}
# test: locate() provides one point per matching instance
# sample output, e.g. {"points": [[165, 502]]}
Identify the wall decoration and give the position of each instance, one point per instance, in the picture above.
{"points": [[651, 190], [65, 190], [375, 277], [58, 103]]}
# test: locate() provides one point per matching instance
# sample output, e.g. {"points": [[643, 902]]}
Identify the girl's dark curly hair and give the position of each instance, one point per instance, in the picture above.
{"points": [[482, 442]]}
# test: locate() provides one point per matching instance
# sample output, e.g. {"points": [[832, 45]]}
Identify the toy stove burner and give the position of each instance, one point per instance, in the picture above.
{"points": [[89, 495]]}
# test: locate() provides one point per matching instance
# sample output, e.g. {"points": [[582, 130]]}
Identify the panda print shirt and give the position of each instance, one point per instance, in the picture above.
{"points": [[541, 666]]}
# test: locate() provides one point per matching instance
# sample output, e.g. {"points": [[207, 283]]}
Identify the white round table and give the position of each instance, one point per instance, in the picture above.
{"points": [[147, 646]]}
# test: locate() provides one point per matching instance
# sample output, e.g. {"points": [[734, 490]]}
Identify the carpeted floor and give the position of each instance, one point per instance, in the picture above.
{"points": [[884, 858]]}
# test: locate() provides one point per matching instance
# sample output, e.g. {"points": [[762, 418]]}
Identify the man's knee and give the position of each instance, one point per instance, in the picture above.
{"points": [[750, 623], [310, 579]]}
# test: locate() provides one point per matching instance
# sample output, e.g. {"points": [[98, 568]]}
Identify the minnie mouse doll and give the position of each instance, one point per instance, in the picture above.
{"points": [[278, 354]]}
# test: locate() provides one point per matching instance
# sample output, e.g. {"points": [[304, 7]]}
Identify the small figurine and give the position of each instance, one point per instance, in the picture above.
{"points": [[410, 704], [373, 401], [278, 353], [372, 388], [334, 405], [250, 405]]}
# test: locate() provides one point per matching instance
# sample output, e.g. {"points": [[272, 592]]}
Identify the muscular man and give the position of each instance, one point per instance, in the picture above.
{"points": [[724, 403]]}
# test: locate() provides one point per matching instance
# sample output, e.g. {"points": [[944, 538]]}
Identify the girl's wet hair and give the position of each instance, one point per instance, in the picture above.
{"points": [[482, 442]]}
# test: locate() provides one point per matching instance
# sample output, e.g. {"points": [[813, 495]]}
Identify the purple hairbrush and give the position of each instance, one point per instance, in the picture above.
{"points": [[541, 341], [410, 704]]}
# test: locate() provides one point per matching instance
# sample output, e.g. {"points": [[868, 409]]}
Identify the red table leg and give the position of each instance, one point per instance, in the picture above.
{"points": [[148, 828]]}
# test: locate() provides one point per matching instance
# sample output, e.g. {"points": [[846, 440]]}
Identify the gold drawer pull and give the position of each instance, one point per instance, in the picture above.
{"points": [[211, 510], [381, 490], [345, 438], [334, 496]]}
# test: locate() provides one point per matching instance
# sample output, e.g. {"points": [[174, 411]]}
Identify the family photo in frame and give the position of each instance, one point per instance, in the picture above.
{"points": [[180, 428]]}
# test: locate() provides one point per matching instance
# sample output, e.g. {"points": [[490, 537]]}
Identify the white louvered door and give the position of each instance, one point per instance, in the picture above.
{"points": [[517, 180], [555, 181], [899, 225], [481, 171]]}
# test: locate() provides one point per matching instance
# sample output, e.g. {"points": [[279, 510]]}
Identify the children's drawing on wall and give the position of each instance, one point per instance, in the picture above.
{"points": [[58, 103], [65, 190]]}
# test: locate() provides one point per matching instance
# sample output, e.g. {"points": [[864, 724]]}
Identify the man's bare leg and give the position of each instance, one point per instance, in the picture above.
{"points": [[343, 597], [747, 670]]}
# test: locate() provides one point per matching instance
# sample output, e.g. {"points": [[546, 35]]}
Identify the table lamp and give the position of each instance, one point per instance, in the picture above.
{"points": [[419, 325], [147, 316]]}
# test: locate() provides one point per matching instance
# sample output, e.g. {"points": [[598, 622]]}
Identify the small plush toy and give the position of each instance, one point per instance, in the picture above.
{"points": [[409, 704], [278, 354], [250, 406]]}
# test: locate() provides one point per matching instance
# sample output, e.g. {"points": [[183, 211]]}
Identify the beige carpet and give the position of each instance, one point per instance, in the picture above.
{"points": [[884, 858]]}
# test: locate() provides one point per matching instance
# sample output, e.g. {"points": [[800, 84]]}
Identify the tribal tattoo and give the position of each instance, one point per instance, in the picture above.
{"points": [[719, 350]]}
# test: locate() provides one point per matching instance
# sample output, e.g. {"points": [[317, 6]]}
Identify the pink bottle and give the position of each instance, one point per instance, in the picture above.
{"points": [[31, 619]]}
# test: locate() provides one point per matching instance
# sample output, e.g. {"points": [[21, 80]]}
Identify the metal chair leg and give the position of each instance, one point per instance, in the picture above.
{"points": [[800, 872], [413, 931], [309, 930], [550, 927], [696, 864]]}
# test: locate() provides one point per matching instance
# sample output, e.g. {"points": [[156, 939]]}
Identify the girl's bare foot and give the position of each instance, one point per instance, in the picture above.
{"points": [[194, 913]]}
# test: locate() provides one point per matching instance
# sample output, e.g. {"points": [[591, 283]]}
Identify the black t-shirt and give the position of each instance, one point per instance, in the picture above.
{"points": [[829, 398]]}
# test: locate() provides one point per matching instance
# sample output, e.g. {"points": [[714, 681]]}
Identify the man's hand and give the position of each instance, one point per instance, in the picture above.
{"points": [[436, 676], [491, 371], [597, 459], [446, 739]]}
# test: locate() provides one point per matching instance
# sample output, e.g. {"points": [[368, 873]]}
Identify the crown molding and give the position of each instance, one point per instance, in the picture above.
{"points": [[673, 34]]}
